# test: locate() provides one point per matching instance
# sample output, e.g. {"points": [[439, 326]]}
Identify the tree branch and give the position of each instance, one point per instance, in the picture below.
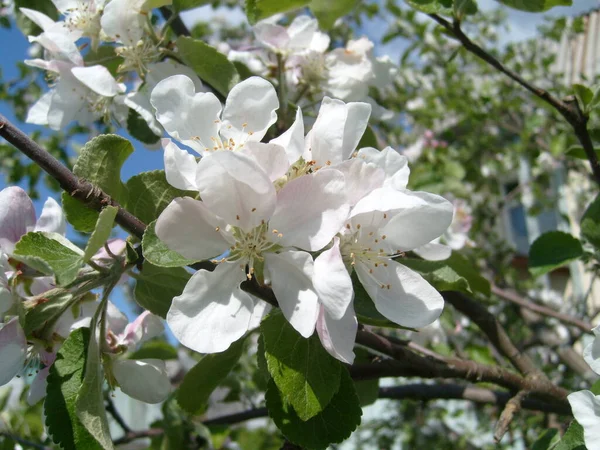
{"points": [[133, 435], [512, 407], [230, 419], [513, 297], [569, 108]]}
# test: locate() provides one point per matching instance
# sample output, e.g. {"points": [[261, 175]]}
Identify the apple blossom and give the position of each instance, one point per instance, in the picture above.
{"points": [[242, 214], [143, 379], [591, 353], [586, 410], [82, 17]]}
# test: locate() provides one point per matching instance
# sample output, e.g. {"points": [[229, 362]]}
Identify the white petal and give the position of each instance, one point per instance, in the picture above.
{"points": [[249, 111], [17, 216], [212, 312], [52, 218], [64, 6], [13, 350], [586, 410], [189, 228], [311, 209], [393, 163], [140, 102], [40, 19], [320, 42], [338, 336], [233, 186], [400, 294], [164, 69], [274, 37], [145, 326], [115, 319], [361, 178], [332, 281], [37, 390], [122, 21], [38, 113], [70, 97], [433, 251], [143, 379], [301, 32], [291, 274], [270, 157], [591, 353], [261, 309], [293, 139], [98, 79], [6, 297], [60, 44], [180, 166], [189, 117], [337, 130]]}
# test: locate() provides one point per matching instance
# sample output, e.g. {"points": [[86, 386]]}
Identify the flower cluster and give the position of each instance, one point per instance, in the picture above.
{"points": [[300, 214], [22, 289]]}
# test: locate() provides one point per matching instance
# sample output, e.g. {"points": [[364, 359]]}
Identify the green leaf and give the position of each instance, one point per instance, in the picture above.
{"points": [[305, 374], [439, 274], [572, 439], [149, 194], [584, 94], [552, 250], [548, 438], [101, 233], [367, 390], [50, 253], [590, 223], [182, 5], [327, 12], [156, 349], [430, 7], [89, 406], [46, 312], [139, 129], [90, 399], [157, 253], [210, 65], [577, 151], [596, 388], [100, 163], [156, 286], [261, 9], [334, 424], [462, 266], [365, 308], [64, 379], [535, 5], [203, 379]]}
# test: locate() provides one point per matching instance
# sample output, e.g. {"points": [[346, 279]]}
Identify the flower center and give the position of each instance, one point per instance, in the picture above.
{"points": [[137, 57], [85, 18], [314, 69], [250, 246]]}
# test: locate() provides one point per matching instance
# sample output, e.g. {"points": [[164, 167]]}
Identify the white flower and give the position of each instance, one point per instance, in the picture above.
{"points": [[300, 36], [195, 118], [591, 353], [241, 213], [586, 410], [82, 17], [13, 350]]}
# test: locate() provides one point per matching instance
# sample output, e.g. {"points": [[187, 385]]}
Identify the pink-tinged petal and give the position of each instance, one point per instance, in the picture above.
{"points": [[433, 251], [361, 178], [17, 216], [189, 228], [39, 285], [310, 210], [144, 327], [586, 410], [180, 166], [332, 281], [234, 187], [80, 316], [98, 79], [290, 274], [249, 111], [52, 218], [6, 297], [189, 117], [338, 336], [143, 379], [293, 139], [116, 321], [212, 312], [37, 390], [400, 294], [274, 37], [270, 157], [13, 350], [393, 164], [116, 246]]}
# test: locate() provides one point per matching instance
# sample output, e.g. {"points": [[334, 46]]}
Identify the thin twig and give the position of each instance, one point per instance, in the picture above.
{"points": [[22, 441], [513, 297], [513, 406], [569, 108], [237, 417], [133, 435]]}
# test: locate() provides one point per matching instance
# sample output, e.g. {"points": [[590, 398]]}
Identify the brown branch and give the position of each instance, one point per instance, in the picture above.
{"points": [[513, 406], [569, 108], [513, 297], [82, 190], [487, 322], [237, 417], [133, 435]]}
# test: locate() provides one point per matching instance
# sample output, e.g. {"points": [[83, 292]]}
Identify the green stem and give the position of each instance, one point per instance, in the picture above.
{"points": [[282, 88]]}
